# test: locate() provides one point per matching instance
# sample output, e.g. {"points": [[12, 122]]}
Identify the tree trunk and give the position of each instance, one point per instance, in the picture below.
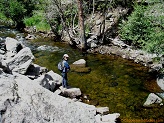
{"points": [[102, 30], [81, 25], [93, 7]]}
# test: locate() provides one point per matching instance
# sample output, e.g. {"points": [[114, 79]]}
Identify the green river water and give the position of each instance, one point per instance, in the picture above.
{"points": [[117, 83]]}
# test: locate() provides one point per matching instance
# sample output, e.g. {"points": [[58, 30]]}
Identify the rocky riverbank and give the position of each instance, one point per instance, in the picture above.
{"points": [[31, 93], [119, 48], [152, 61]]}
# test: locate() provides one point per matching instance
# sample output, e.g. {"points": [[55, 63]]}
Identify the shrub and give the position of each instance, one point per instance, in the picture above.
{"points": [[144, 29], [37, 20]]}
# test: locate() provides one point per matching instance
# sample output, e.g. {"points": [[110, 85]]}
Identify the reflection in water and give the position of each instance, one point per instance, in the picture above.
{"points": [[118, 83]]}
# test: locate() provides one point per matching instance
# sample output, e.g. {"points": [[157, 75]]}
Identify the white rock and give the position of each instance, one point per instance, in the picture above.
{"points": [[49, 80], [21, 61], [152, 99], [80, 62], [103, 110], [12, 47], [161, 95], [23, 100], [72, 92], [11, 44], [160, 82], [98, 118], [110, 118]]}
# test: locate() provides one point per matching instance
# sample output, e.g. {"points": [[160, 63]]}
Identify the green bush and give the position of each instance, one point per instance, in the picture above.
{"points": [[37, 20], [144, 29], [2, 17]]}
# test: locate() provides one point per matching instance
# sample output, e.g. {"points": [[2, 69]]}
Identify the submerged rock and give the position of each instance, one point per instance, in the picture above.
{"points": [[47, 48]]}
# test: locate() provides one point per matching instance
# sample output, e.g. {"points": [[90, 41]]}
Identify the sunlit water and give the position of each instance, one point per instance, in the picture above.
{"points": [[117, 83]]}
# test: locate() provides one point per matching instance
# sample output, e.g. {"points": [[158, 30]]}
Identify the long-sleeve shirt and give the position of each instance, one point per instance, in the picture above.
{"points": [[66, 66]]}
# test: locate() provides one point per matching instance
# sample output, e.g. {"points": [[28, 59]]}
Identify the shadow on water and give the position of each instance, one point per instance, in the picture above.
{"points": [[117, 83]]}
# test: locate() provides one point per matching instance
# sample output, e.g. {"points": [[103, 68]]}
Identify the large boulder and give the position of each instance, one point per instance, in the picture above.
{"points": [[34, 71], [49, 80], [80, 66], [22, 100], [21, 61], [12, 47], [72, 92], [80, 62]]}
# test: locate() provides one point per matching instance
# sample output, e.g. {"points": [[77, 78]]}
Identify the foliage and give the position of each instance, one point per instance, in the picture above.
{"points": [[61, 15], [100, 7], [71, 12], [37, 20], [3, 17], [18, 9], [100, 4], [53, 16], [145, 30], [124, 3], [13, 9]]}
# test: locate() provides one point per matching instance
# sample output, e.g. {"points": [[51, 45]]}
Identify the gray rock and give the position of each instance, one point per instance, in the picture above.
{"points": [[98, 118], [50, 80], [156, 67], [11, 44], [57, 92], [161, 95], [30, 37], [21, 61], [12, 47], [80, 62], [160, 81], [110, 118], [72, 92], [93, 44], [36, 70], [4, 65], [47, 48], [152, 99], [102, 110], [2, 52], [23, 100]]}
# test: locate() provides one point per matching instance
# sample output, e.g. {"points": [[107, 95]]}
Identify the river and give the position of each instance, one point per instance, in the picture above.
{"points": [[117, 83]]}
